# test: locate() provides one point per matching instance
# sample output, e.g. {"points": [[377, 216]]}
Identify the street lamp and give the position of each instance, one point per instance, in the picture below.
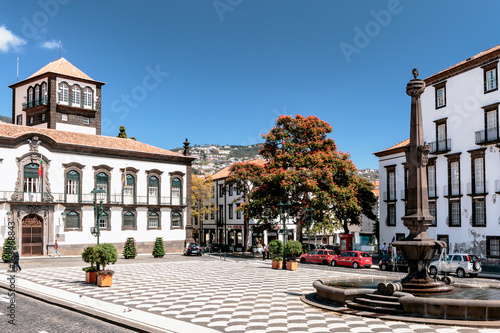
{"points": [[9, 216], [309, 220], [287, 205], [97, 212], [63, 217]]}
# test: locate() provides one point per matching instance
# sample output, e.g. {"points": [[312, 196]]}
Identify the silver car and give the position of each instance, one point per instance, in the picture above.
{"points": [[461, 263]]}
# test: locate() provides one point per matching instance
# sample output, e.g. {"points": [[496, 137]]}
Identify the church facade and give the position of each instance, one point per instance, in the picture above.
{"points": [[61, 178]]}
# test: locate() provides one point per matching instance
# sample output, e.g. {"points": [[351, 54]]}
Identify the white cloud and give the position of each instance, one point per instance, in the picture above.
{"points": [[53, 44], [9, 41]]}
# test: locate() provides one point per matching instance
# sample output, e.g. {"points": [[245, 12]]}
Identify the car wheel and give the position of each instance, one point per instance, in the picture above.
{"points": [[383, 267], [355, 265], [334, 263], [303, 260], [460, 273], [433, 270]]}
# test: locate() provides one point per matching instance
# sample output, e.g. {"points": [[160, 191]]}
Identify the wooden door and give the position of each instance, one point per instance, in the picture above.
{"points": [[32, 231]]}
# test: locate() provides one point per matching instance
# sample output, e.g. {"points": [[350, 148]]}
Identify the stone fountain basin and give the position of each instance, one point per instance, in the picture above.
{"points": [[426, 307]]}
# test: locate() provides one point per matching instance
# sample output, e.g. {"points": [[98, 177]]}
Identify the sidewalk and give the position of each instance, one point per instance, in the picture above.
{"points": [[201, 294]]}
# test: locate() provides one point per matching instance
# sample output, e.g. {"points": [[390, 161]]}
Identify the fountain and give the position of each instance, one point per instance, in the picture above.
{"points": [[417, 294]]}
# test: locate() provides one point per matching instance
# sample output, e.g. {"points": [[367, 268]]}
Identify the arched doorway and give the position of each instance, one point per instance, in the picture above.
{"points": [[32, 244]]}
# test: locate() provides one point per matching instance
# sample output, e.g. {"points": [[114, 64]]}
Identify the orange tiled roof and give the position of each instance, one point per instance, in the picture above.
{"points": [[224, 173], [82, 139], [62, 66], [398, 146]]}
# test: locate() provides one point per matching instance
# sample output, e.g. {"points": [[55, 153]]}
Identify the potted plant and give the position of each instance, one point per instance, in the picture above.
{"points": [[276, 249], [8, 249], [129, 250], [91, 270], [292, 248], [104, 254], [159, 249]]}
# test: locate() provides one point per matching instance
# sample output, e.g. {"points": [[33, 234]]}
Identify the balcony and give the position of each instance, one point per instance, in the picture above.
{"points": [[113, 199], [487, 136], [78, 104], [440, 146], [36, 102]]}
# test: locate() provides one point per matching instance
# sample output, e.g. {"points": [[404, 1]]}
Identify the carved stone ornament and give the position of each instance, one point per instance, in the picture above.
{"points": [[424, 154], [21, 163], [34, 143]]}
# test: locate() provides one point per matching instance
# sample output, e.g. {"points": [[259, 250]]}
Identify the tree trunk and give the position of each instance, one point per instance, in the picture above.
{"points": [[246, 226]]}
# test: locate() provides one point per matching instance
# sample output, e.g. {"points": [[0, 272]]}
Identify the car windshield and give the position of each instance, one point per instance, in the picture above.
{"points": [[194, 245]]}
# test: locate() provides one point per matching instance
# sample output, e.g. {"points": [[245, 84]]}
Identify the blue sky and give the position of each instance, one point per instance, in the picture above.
{"points": [[222, 71]]}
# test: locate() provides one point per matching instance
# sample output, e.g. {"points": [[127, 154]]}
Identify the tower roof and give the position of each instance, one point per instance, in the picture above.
{"points": [[62, 66]]}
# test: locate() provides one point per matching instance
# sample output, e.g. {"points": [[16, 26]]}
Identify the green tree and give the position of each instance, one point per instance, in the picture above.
{"points": [[123, 134], [105, 254], [8, 248], [304, 168], [159, 248], [367, 201]]}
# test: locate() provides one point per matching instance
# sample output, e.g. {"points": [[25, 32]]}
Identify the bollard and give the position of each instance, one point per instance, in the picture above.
{"points": [[382, 288]]}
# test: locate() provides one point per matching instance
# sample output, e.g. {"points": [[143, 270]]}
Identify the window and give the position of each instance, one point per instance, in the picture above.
{"points": [[454, 214], [64, 117], [491, 125], [31, 120], [129, 190], [63, 92], [238, 189], [221, 190], [87, 97], [230, 210], [432, 211], [219, 213], [153, 220], [478, 213], [176, 220], [207, 208], [493, 246], [44, 93], [440, 95], [176, 191], [238, 212], [128, 220], [212, 214], [490, 77], [86, 121], [75, 95], [72, 220], [104, 221], [30, 97], [153, 190], [231, 190], [31, 178], [454, 176], [19, 119], [441, 137], [72, 182], [101, 183], [391, 184], [43, 117], [431, 178], [391, 214], [478, 175], [37, 95]]}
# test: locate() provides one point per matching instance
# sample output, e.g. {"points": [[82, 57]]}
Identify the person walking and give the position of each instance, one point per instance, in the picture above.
{"points": [[15, 259], [384, 250], [264, 250], [56, 249]]}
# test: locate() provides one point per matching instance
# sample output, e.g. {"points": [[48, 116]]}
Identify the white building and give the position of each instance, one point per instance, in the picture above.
{"points": [[50, 167], [460, 121]]}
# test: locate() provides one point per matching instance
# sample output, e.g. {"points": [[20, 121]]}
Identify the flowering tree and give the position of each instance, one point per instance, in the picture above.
{"points": [[201, 193], [304, 168]]}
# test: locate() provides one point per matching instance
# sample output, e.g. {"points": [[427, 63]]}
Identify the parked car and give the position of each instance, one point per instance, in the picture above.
{"points": [[398, 264], [332, 248], [354, 259], [319, 256], [192, 248], [460, 263]]}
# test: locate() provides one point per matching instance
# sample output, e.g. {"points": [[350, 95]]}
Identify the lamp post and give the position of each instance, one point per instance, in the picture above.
{"points": [[9, 216], [287, 205], [97, 212], [309, 220]]}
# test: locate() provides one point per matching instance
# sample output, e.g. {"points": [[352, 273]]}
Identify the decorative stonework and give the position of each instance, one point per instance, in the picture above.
{"points": [[21, 163], [34, 143]]}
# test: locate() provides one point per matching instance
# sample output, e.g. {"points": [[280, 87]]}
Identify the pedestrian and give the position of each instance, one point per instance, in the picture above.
{"points": [[264, 250], [56, 249], [384, 249], [15, 259], [267, 251]]}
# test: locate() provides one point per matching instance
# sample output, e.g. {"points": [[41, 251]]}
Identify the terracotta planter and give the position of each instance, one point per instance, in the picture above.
{"points": [[104, 280], [277, 264], [291, 265], [90, 277]]}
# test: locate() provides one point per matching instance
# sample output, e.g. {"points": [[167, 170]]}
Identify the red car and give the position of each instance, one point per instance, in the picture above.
{"points": [[320, 256], [354, 259]]}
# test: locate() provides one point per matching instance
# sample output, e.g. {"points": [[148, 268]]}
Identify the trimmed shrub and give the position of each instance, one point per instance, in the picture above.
{"points": [[8, 248], [105, 254], [129, 250], [159, 249], [276, 247], [293, 248]]}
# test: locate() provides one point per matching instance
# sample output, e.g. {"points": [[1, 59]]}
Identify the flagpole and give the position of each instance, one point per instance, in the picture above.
{"points": [[41, 169]]}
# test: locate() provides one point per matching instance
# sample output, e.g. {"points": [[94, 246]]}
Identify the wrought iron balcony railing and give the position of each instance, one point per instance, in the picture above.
{"points": [[36, 102]]}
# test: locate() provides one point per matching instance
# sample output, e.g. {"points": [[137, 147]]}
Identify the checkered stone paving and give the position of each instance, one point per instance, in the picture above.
{"points": [[228, 296]]}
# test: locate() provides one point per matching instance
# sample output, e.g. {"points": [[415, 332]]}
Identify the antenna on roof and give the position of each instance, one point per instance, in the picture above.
{"points": [[59, 49], [17, 69]]}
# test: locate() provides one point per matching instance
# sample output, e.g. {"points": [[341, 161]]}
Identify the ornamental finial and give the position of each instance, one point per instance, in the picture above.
{"points": [[415, 72]]}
